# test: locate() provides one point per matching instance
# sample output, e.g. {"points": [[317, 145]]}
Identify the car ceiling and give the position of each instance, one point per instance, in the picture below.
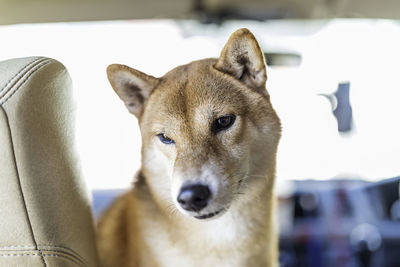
{"points": [[208, 11]]}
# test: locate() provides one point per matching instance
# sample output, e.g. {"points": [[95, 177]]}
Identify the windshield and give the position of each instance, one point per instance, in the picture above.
{"points": [[354, 61]]}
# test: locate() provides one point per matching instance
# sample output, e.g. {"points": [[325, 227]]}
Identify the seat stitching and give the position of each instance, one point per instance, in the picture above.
{"points": [[28, 75], [22, 70], [19, 183], [39, 254], [49, 248]]}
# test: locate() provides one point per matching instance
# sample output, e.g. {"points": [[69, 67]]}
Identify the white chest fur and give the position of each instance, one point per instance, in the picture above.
{"points": [[226, 241]]}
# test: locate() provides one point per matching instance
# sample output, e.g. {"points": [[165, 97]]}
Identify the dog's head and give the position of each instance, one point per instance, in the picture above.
{"points": [[209, 132]]}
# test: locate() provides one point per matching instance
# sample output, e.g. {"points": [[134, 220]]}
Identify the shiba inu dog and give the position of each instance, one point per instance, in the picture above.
{"points": [[204, 193]]}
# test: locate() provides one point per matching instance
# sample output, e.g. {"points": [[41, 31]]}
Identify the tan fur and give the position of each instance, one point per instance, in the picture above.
{"points": [[146, 227]]}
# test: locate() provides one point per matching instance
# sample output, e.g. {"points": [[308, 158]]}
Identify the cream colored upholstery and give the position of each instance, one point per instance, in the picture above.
{"points": [[45, 216]]}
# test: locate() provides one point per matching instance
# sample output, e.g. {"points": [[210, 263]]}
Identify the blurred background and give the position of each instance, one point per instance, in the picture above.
{"points": [[333, 76]]}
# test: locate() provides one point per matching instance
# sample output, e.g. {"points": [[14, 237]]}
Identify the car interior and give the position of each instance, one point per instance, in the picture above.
{"points": [[68, 147]]}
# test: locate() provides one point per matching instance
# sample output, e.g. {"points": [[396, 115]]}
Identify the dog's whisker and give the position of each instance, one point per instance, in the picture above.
{"points": [[171, 210], [255, 175]]}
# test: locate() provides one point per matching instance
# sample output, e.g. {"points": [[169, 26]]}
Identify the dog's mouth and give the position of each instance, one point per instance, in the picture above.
{"points": [[214, 207], [209, 215], [218, 212]]}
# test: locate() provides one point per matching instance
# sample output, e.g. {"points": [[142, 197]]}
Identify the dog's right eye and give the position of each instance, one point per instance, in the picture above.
{"points": [[223, 123], [165, 139]]}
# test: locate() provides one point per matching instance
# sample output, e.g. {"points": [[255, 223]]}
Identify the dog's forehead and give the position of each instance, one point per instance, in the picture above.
{"points": [[197, 88]]}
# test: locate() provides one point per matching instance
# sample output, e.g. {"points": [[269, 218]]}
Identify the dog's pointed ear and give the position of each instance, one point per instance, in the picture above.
{"points": [[132, 86], [243, 59]]}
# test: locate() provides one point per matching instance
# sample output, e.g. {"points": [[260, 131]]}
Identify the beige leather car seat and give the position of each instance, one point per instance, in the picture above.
{"points": [[45, 215]]}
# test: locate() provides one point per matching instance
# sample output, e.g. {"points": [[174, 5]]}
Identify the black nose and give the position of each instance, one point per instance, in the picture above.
{"points": [[194, 197]]}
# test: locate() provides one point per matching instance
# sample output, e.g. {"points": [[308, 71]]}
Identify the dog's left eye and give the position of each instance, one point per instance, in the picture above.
{"points": [[223, 123], [165, 139]]}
